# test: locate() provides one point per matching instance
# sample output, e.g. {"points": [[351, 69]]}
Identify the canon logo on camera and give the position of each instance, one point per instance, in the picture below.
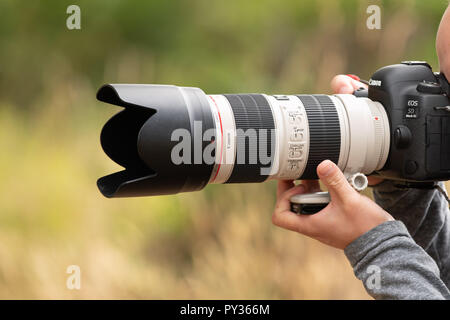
{"points": [[376, 83]]}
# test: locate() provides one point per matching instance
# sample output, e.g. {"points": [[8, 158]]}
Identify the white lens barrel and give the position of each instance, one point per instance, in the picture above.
{"points": [[292, 143], [225, 138], [368, 134], [351, 131]]}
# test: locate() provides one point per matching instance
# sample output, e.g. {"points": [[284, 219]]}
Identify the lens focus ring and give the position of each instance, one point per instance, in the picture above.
{"points": [[324, 132], [251, 111]]}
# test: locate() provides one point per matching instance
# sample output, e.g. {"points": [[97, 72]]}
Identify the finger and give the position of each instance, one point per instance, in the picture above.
{"points": [[283, 186], [345, 84], [311, 185], [357, 84], [333, 178], [309, 225], [342, 84], [286, 219], [284, 202]]}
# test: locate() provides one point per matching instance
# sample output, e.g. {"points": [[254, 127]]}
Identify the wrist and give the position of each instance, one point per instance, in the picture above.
{"points": [[362, 245]]}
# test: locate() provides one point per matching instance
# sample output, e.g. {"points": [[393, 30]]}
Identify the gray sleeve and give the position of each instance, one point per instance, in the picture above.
{"points": [[392, 266], [426, 216]]}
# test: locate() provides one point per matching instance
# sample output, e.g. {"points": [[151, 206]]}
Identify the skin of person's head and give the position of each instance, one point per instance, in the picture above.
{"points": [[443, 43]]}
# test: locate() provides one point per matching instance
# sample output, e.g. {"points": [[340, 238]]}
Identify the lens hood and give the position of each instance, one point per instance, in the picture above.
{"points": [[139, 138]]}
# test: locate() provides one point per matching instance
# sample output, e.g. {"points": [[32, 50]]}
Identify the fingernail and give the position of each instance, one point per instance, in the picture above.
{"points": [[326, 169]]}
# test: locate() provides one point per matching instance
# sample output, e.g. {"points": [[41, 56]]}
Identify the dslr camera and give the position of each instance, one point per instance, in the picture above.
{"points": [[172, 139]]}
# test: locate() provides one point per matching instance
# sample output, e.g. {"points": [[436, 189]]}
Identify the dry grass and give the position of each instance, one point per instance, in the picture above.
{"points": [[218, 243]]}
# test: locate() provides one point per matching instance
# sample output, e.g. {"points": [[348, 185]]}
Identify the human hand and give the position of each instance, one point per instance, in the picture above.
{"points": [[347, 216], [345, 84]]}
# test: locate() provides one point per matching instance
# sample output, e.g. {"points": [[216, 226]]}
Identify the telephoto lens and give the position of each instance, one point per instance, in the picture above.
{"points": [[175, 139]]}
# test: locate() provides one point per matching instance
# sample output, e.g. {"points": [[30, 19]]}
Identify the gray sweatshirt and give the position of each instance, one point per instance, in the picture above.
{"points": [[408, 258]]}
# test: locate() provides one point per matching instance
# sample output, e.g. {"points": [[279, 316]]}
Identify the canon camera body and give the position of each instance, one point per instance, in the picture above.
{"points": [[417, 104]]}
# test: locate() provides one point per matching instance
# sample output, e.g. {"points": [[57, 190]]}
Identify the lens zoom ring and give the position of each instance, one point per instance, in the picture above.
{"points": [[251, 111], [324, 132]]}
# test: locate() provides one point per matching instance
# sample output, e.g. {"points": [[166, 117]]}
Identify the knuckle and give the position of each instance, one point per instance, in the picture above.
{"points": [[338, 78], [334, 80], [335, 83], [275, 219], [350, 201], [335, 180]]}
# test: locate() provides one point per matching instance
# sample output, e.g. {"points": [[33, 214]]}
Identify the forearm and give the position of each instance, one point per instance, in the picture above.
{"points": [[404, 269], [425, 214]]}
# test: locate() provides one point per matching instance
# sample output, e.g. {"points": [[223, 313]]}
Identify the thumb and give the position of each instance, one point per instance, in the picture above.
{"points": [[335, 181]]}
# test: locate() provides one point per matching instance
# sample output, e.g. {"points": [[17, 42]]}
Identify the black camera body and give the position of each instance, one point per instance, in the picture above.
{"points": [[417, 103]]}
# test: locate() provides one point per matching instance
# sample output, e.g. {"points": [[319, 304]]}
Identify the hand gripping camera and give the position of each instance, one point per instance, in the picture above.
{"points": [[175, 139]]}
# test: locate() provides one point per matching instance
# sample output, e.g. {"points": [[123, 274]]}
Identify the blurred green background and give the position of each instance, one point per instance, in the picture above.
{"points": [[217, 243]]}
